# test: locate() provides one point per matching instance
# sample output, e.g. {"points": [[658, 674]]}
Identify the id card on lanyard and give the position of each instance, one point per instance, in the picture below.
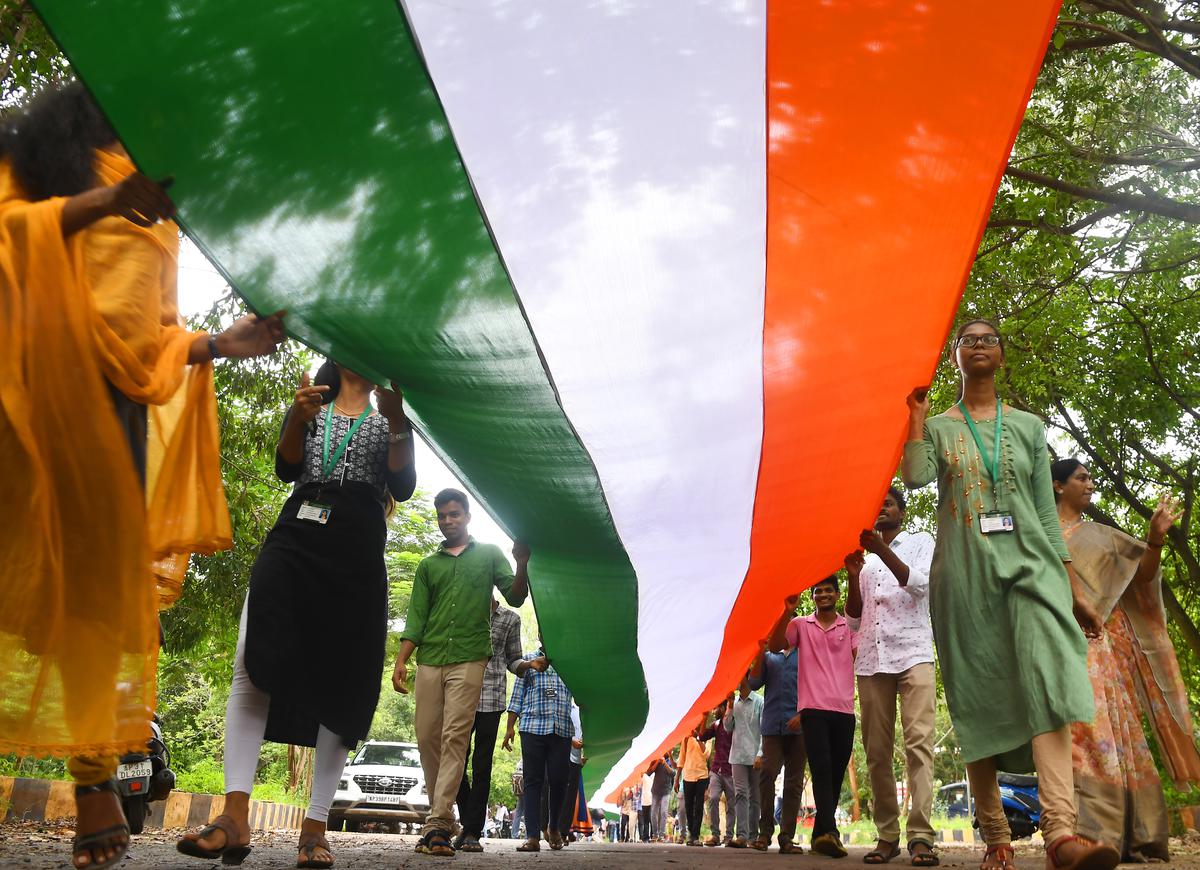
{"points": [[996, 521], [314, 511]]}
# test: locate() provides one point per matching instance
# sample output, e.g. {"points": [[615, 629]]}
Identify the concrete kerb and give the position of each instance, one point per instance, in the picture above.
{"points": [[966, 837], [40, 800]]}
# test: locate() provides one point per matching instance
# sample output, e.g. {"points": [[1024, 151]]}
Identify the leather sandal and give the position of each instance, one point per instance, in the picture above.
{"points": [[438, 843], [788, 847], [308, 847], [530, 845], [231, 854], [113, 837], [927, 858], [1097, 856], [1005, 858], [878, 856]]}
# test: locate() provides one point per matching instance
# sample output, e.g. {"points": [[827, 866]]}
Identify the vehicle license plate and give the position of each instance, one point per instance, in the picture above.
{"points": [[135, 770], [384, 798]]}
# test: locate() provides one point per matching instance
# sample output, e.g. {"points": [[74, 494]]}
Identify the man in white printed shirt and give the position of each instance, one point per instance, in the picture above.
{"points": [[888, 605]]}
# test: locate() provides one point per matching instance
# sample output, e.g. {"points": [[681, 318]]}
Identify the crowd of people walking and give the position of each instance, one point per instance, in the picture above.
{"points": [[1048, 627]]}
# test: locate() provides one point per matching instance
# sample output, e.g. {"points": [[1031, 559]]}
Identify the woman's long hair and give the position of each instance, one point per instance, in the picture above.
{"points": [[51, 144]]}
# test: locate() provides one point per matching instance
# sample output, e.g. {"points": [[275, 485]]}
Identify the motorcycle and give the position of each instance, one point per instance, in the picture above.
{"points": [[1019, 799], [145, 777]]}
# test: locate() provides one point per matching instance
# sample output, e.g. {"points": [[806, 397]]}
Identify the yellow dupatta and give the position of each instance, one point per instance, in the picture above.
{"points": [[79, 551]]}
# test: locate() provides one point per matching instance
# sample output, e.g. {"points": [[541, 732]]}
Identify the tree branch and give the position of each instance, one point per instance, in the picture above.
{"points": [[14, 47], [1175, 609], [1148, 343], [1158, 205]]}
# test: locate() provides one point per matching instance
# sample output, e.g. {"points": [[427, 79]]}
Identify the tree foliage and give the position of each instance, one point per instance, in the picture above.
{"points": [[1092, 265], [29, 59]]}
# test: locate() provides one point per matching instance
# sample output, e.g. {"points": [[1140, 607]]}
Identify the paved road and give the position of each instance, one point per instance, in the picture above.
{"points": [[35, 848]]}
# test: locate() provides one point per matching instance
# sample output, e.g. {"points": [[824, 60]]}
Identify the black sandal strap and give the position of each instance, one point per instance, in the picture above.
{"points": [[87, 840], [114, 837]]}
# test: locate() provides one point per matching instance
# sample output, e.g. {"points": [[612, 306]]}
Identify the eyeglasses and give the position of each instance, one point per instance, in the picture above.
{"points": [[988, 340]]}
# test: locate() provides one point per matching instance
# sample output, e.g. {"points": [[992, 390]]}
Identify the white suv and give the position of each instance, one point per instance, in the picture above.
{"points": [[383, 782]]}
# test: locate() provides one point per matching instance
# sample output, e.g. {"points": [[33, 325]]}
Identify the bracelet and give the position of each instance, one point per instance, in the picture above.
{"points": [[1154, 545], [213, 353], [397, 437]]}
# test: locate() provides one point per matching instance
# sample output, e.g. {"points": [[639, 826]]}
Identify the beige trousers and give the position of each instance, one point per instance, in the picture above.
{"points": [[1056, 790], [877, 696], [446, 698]]}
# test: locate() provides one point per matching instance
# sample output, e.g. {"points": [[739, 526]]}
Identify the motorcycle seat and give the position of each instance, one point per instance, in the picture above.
{"points": [[1016, 780]]}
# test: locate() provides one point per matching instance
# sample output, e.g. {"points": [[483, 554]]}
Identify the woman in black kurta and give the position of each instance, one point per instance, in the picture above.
{"points": [[312, 636]]}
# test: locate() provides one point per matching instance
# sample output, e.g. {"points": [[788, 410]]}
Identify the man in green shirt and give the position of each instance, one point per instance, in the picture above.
{"points": [[449, 625]]}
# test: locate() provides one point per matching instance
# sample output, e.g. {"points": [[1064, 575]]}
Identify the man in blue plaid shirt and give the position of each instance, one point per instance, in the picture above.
{"points": [[542, 701]]}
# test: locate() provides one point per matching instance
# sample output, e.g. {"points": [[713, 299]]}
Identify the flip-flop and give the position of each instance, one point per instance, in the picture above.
{"points": [[875, 856], [311, 845], [230, 855], [470, 844]]}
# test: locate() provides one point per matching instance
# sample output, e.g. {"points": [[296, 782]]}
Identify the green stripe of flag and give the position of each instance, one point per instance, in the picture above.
{"points": [[314, 165]]}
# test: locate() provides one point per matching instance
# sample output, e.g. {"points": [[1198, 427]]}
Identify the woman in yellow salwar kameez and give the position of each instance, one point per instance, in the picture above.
{"points": [[1134, 673], [108, 447]]}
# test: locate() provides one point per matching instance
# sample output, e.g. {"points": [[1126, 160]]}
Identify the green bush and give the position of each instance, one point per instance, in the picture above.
{"points": [[33, 768], [203, 777]]}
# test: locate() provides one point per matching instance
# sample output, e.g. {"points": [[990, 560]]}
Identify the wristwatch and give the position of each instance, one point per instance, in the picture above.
{"points": [[213, 353], [397, 437]]}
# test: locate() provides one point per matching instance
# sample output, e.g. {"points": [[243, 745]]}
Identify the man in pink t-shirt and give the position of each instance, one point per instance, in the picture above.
{"points": [[825, 646]]}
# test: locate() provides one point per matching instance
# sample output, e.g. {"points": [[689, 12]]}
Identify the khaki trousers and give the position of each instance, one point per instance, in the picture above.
{"points": [[1056, 790], [446, 698], [877, 696]]}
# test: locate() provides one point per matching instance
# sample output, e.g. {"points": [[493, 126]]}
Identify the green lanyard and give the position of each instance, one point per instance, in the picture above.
{"points": [[328, 463], [990, 462]]}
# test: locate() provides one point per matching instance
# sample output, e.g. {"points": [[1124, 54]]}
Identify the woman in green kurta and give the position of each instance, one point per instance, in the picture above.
{"points": [[1005, 617]]}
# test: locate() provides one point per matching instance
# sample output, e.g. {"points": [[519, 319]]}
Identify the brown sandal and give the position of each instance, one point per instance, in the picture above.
{"points": [[1100, 856], [787, 847], [230, 853], [307, 847], [1005, 858]]}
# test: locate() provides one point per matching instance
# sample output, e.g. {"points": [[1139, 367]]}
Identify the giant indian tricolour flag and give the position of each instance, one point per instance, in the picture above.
{"points": [[655, 276]]}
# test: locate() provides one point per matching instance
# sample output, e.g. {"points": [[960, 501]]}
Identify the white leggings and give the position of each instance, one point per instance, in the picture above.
{"points": [[245, 725]]}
